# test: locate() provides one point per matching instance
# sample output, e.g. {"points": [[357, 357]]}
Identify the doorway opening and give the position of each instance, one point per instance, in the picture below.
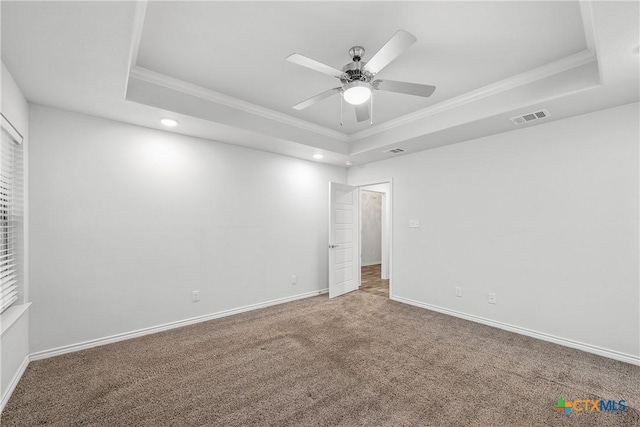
{"points": [[375, 238]]}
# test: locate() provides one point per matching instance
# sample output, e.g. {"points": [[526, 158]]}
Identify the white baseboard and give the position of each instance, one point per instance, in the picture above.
{"points": [[172, 325], [14, 382], [612, 354]]}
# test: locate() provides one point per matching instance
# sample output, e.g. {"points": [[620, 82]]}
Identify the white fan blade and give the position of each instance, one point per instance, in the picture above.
{"points": [[397, 44], [404, 87], [296, 58], [362, 112], [319, 97]]}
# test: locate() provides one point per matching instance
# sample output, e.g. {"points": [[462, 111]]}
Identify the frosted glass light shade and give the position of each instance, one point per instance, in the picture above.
{"points": [[357, 93]]}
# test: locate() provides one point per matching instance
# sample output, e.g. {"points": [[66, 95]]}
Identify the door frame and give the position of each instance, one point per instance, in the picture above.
{"points": [[388, 223]]}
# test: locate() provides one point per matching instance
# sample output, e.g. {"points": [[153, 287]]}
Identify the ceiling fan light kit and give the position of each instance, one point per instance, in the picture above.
{"points": [[357, 77], [356, 93]]}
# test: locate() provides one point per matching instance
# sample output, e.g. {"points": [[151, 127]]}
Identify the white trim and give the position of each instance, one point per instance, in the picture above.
{"points": [[387, 222], [14, 382], [229, 101], [572, 61], [11, 316], [11, 130], [164, 327], [586, 13], [612, 354], [25, 222], [531, 76], [138, 25]]}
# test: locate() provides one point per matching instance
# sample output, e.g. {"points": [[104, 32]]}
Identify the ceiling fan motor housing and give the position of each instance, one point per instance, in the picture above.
{"points": [[354, 71]]}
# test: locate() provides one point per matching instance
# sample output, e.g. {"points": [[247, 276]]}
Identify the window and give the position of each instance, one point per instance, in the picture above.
{"points": [[10, 214]]}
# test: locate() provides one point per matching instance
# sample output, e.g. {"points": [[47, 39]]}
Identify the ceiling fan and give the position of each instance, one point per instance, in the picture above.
{"points": [[357, 77]]}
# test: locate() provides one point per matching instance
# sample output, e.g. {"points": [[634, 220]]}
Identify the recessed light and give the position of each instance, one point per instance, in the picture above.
{"points": [[169, 122], [318, 156], [348, 163]]}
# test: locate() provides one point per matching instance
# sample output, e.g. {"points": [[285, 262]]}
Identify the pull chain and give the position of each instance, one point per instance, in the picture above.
{"points": [[341, 100], [371, 109]]}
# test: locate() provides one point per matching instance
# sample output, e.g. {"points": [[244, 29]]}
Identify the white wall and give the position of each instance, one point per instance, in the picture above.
{"points": [[14, 339], [546, 217], [371, 228], [127, 221]]}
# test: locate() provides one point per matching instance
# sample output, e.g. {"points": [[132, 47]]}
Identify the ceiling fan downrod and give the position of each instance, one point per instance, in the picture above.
{"points": [[356, 53]]}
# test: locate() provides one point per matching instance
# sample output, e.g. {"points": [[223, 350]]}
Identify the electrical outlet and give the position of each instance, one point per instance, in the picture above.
{"points": [[294, 279], [195, 296], [492, 298], [458, 291]]}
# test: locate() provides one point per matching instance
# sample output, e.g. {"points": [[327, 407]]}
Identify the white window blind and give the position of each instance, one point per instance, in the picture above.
{"points": [[10, 213]]}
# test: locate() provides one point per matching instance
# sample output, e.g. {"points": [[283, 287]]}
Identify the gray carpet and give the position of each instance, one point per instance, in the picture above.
{"points": [[358, 360]]}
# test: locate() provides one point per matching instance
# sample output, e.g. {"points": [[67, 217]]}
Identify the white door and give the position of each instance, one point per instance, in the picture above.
{"points": [[344, 235]]}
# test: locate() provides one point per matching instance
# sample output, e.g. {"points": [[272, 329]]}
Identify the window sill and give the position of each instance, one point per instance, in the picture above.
{"points": [[9, 317]]}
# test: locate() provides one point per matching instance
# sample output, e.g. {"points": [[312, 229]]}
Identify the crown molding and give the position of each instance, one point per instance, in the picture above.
{"points": [[581, 58], [548, 70], [586, 11], [136, 36], [210, 95], [228, 101], [578, 59]]}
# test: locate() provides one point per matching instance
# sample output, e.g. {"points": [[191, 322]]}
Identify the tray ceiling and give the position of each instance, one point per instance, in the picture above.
{"points": [[219, 68], [238, 49]]}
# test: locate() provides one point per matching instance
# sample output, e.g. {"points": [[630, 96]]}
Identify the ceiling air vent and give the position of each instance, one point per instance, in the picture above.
{"points": [[394, 151], [529, 117]]}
